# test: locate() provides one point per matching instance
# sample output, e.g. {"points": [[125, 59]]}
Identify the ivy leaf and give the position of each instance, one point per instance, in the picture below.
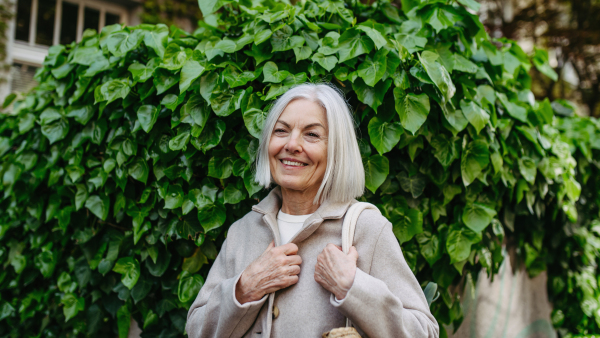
{"points": [[475, 157], [477, 216], [459, 242], [81, 114], [373, 96], [528, 169], [272, 73], [72, 305], [446, 149], [430, 246], [157, 39], [384, 135], [540, 60], [283, 40], [189, 286], [512, 108], [233, 194], [56, 131], [303, 53], [211, 137], [413, 184], [188, 227], [372, 70], [352, 44], [140, 72], [98, 205], [327, 62], [138, 169], [211, 216], [438, 74], [123, 321], [193, 263], [412, 109], [377, 168], [374, 31], [147, 115], [475, 114], [120, 43], [254, 119], [174, 197], [471, 4], [129, 268], [162, 263], [406, 223]]}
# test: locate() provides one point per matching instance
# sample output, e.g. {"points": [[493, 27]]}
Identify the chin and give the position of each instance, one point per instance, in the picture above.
{"points": [[292, 185]]}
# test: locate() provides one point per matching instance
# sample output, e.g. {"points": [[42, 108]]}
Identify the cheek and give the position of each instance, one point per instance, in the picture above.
{"points": [[275, 146]]}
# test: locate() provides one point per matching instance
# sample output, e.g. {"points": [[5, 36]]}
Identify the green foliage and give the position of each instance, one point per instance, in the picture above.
{"points": [[573, 273], [123, 170]]}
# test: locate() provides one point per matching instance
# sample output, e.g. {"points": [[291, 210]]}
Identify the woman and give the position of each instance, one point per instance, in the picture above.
{"points": [[289, 244]]}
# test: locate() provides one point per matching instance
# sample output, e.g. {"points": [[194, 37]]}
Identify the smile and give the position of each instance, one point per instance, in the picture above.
{"points": [[295, 164]]}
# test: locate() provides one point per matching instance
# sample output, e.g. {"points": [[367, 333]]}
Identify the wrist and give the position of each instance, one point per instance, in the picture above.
{"points": [[242, 294]]}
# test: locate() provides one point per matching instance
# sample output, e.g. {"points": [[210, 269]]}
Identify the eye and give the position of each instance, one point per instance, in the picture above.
{"points": [[279, 130], [311, 134]]}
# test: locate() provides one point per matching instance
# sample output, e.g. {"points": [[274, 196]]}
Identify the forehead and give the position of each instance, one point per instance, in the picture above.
{"points": [[303, 112]]}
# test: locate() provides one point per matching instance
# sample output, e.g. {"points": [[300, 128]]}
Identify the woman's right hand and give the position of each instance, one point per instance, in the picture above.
{"points": [[277, 268]]}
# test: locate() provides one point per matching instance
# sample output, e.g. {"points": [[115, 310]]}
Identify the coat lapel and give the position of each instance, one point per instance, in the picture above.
{"points": [[270, 206]]}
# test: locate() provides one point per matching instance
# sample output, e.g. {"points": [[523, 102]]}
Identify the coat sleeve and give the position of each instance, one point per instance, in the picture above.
{"points": [[216, 312], [388, 300]]}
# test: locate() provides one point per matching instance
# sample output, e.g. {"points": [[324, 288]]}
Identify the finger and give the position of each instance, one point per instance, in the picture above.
{"points": [[271, 246], [294, 260], [353, 254], [332, 247], [289, 249], [293, 270]]}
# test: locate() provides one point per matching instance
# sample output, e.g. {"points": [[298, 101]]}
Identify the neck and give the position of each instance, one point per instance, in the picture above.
{"points": [[296, 202]]}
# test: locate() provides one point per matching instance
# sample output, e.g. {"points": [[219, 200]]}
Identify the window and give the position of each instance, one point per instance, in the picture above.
{"points": [[50, 22], [23, 20]]}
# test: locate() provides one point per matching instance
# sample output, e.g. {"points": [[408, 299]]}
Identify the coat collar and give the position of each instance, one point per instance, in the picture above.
{"points": [[270, 206]]}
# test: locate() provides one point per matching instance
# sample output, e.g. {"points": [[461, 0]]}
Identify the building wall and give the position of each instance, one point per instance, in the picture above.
{"points": [[38, 24]]}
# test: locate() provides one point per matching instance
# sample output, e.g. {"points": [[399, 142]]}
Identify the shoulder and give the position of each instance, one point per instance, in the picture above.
{"points": [[245, 225], [372, 221]]}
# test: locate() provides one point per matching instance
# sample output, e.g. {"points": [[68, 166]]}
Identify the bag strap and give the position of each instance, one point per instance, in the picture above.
{"points": [[350, 220], [348, 228]]}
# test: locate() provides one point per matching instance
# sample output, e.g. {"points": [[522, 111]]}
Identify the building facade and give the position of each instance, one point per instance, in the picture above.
{"points": [[39, 24]]}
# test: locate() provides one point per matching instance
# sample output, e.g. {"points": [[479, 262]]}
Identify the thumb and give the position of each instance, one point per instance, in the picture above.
{"points": [[271, 246], [352, 253]]}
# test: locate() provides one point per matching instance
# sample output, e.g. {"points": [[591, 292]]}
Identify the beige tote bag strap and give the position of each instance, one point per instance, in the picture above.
{"points": [[349, 226]]}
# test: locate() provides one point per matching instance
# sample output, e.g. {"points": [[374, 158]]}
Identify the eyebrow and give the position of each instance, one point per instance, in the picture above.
{"points": [[305, 127]]}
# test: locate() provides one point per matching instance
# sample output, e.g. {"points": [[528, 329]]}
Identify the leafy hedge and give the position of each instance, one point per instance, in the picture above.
{"points": [[123, 169], [574, 247]]}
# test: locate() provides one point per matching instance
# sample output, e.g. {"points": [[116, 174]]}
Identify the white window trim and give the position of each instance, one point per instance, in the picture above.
{"points": [[30, 53]]}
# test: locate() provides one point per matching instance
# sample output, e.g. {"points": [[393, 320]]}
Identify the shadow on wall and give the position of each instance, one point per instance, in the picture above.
{"points": [[511, 306]]}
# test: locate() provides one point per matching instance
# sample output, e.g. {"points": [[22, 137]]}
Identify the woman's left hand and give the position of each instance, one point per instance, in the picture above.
{"points": [[335, 270]]}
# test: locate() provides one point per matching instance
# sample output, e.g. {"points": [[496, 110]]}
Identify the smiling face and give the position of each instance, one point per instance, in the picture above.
{"points": [[298, 147]]}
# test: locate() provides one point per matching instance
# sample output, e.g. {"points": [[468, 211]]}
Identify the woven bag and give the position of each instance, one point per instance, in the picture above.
{"points": [[348, 228]]}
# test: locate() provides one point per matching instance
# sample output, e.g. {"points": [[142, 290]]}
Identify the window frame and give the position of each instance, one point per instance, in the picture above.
{"points": [[101, 6]]}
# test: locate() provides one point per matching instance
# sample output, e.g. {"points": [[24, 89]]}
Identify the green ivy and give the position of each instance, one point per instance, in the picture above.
{"points": [[122, 171]]}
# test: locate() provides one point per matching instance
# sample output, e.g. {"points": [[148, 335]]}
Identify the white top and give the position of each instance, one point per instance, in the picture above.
{"points": [[289, 225]]}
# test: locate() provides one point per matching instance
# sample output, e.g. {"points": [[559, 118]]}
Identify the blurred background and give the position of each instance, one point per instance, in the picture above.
{"points": [[568, 29]]}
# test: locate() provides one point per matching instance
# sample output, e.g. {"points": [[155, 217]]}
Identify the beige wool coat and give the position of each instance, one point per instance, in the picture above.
{"points": [[385, 299]]}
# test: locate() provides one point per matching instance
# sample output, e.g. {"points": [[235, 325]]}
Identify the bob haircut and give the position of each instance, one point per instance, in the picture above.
{"points": [[344, 175]]}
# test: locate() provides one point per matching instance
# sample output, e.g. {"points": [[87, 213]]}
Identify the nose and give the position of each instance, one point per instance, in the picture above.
{"points": [[294, 144]]}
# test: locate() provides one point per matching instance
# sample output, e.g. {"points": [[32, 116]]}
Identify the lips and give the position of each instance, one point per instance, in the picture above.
{"points": [[293, 163]]}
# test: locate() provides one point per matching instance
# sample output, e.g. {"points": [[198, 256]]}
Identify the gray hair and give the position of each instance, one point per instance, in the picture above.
{"points": [[344, 175]]}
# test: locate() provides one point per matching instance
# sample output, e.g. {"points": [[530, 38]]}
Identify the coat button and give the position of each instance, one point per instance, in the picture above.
{"points": [[275, 312]]}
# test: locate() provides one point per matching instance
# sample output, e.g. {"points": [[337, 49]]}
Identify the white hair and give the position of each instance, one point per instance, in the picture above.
{"points": [[344, 175]]}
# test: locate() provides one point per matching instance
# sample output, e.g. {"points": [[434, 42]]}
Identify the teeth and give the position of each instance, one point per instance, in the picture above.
{"points": [[298, 164]]}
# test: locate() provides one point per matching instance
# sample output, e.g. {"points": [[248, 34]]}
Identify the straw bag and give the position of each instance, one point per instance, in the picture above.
{"points": [[348, 228]]}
